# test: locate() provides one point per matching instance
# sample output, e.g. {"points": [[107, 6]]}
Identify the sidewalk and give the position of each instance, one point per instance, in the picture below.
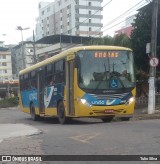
{"points": [[141, 113]]}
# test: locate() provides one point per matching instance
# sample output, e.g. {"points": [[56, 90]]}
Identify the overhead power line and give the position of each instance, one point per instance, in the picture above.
{"points": [[125, 13], [121, 16], [112, 21]]}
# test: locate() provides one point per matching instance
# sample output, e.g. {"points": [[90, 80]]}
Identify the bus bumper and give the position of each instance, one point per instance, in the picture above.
{"points": [[100, 111]]}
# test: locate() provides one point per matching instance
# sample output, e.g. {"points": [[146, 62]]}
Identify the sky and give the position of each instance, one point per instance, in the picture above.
{"points": [[23, 13]]}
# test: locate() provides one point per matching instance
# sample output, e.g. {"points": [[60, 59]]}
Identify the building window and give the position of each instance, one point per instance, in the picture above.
{"points": [[89, 3], [4, 64], [68, 7], [42, 12], [90, 29], [89, 20], [90, 12], [4, 56], [48, 9]]}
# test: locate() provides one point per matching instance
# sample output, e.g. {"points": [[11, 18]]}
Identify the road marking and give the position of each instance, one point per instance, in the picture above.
{"points": [[85, 138]]}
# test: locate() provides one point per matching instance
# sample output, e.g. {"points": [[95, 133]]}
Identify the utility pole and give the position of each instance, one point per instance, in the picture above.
{"points": [[152, 73], [34, 49]]}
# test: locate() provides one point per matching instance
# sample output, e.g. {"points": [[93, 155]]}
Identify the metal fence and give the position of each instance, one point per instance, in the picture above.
{"points": [[144, 100]]}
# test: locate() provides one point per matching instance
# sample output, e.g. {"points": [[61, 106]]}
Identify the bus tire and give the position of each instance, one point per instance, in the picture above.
{"points": [[107, 119], [125, 118], [34, 117], [61, 113]]}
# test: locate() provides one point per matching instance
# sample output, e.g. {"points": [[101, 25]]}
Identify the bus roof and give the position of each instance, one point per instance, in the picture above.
{"points": [[69, 52]]}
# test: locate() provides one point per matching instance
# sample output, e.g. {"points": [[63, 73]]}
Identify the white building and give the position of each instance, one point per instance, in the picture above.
{"points": [[5, 63], [23, 56], [69, 17]]}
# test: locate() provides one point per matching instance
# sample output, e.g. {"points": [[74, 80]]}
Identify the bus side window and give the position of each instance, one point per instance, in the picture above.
{"points": [[48, 75], [60, 71], [21, 83], [26, 81], [33, 80]]}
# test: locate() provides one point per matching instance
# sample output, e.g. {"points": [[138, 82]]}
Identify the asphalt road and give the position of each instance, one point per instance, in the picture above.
{"points": [[82, 137]]}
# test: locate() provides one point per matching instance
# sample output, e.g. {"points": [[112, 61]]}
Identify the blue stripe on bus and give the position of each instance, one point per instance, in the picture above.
{"points": [[52, 94]]}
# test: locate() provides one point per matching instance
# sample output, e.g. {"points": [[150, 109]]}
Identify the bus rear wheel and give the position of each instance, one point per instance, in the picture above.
{"points": [[34, 117], [107, 119], [61, 113]]}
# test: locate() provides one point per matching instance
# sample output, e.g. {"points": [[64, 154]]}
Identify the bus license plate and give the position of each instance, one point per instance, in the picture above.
{"points": [[109, 111]]}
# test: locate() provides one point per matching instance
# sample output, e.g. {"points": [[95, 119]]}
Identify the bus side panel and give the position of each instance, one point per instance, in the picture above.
{"points": [[52, 95], [27, 98]]}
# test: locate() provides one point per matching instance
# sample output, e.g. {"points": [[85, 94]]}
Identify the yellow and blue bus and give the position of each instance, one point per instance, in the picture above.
{"points": [[86, 81]]}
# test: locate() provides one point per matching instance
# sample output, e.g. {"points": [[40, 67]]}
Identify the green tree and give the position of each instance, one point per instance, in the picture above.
{"points": [[122, 40], [141, 35], [107, 40]]}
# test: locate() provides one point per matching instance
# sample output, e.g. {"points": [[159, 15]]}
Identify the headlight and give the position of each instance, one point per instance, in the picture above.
{"points": [[84, 102], [132, 99]]}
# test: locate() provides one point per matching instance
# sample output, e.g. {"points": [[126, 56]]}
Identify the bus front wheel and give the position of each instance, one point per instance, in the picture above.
{"points": [[61, 113], [33, 113]]}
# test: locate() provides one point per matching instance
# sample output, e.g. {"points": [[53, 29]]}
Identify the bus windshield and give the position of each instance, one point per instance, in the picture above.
{"points": [[105, 69]]}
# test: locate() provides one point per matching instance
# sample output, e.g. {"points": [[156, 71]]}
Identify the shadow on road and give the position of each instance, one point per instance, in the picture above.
{"points": [[73, 121]]}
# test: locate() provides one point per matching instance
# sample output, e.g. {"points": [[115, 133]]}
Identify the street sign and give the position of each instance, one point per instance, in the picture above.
{"points": [[154, 62]]}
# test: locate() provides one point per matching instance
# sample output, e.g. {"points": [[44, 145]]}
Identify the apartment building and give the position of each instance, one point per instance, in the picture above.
{"points": [[23, 56], [5, 63], [69, 17]]}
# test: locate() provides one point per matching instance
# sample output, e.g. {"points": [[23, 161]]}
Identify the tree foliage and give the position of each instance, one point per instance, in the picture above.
{"points": [[122, 40], [119, 40], [141, 35]]}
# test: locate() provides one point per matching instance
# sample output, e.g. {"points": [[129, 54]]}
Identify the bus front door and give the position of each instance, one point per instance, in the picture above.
{"points": [[70, 88], [41, 91]]}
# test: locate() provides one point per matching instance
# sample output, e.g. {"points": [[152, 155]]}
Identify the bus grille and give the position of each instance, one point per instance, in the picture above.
{"points": [[111, 96]]}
